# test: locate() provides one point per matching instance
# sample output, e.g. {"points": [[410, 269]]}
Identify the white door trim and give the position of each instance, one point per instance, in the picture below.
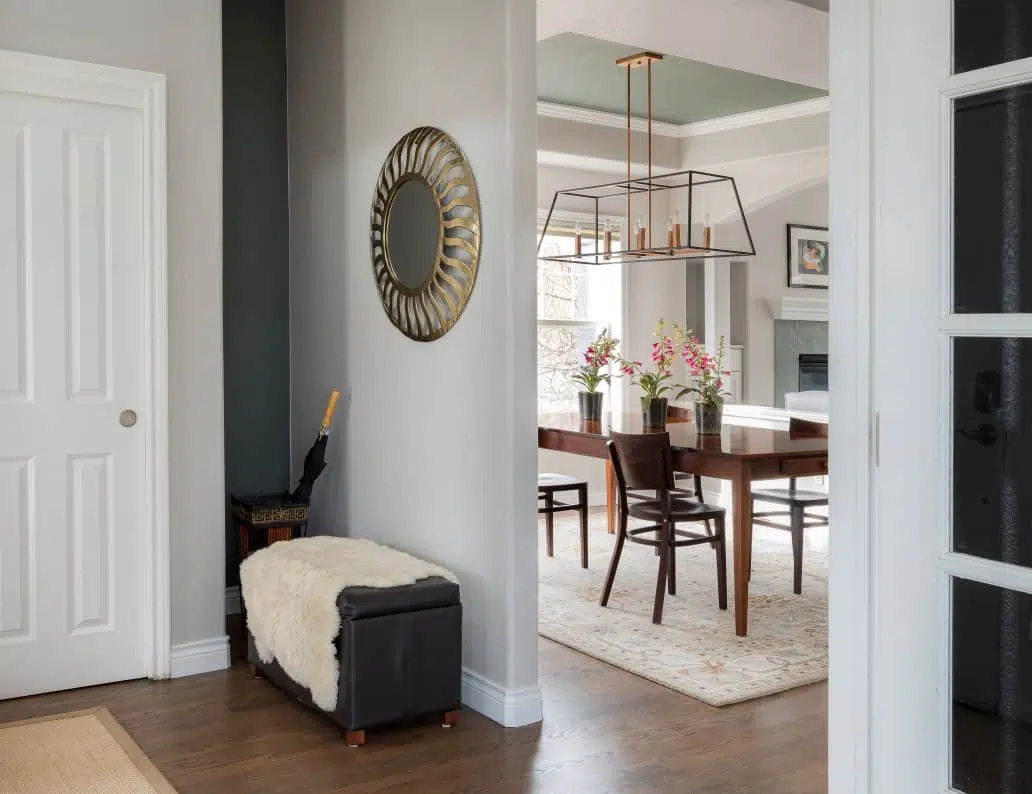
{"points": [[86, 82], [853, 438]]}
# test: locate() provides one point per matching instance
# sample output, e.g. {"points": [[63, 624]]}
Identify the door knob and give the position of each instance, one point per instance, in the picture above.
{"points": [[127, 418]]}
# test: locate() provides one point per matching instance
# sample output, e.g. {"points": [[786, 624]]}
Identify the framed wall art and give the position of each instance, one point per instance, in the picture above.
{"points": [[807, 256]]}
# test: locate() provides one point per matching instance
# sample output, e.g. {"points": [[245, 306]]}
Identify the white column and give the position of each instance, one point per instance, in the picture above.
{"points": [[717, 275]]}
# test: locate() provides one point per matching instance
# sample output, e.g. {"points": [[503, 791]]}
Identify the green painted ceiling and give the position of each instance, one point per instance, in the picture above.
{"points": [[581, 71]]}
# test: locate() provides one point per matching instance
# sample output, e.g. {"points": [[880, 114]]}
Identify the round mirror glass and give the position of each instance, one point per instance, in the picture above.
{"points": [[413, 221]]}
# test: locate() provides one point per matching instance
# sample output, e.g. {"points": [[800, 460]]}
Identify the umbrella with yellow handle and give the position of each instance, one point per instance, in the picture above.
{"points": [[315, 459]]}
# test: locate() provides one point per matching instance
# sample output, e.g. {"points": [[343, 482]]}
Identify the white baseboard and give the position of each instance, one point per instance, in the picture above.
{"points": [[510, 708], [202, 656], [233, 600]]}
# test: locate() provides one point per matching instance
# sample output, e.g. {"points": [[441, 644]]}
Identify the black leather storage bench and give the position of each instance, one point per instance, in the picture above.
{"points": [[400, 656]]}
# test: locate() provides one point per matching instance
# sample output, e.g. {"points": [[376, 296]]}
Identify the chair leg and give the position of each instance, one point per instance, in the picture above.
{"points": [[614, 562], [672, 572], [798, 518], [662, 579], [550, 524], [698, 498], [721, 565], [583, 495]]}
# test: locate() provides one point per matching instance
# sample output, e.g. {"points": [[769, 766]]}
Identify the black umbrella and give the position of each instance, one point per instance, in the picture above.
{"points": [[315, 459]]}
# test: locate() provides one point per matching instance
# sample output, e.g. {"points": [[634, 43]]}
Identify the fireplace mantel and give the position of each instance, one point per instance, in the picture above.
{"points": [[789, 307]]}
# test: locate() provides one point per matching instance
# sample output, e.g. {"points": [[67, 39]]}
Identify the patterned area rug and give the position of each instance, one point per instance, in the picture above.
{"points": [[695, 650]]}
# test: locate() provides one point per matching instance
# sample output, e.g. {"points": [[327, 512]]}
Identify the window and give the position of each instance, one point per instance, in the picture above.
{"points": [[575, 302]]}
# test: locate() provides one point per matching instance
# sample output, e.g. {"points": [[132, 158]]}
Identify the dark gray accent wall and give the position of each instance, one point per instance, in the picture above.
{"points": [[255, 253]]}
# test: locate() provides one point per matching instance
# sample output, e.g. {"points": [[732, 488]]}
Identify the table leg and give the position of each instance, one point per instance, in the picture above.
{"points": [[610, 498], [741, 503]]}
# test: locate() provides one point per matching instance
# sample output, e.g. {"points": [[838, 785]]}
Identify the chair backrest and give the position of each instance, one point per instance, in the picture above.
{"points": [[641, 461], [804, 428]]}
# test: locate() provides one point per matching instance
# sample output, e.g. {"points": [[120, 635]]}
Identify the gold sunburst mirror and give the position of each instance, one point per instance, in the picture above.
{"points": [[425, 233]]}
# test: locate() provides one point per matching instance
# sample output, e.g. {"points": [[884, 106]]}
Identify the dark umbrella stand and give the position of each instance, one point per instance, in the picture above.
{"points": [[262, 520]]}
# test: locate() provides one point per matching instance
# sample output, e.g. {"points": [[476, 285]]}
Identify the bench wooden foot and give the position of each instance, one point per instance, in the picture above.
{"points": [[256, 671], [355, 738], [449, 718]]}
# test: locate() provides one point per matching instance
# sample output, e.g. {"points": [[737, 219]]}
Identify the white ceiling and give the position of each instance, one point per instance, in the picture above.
{"points": [[821, 5]]}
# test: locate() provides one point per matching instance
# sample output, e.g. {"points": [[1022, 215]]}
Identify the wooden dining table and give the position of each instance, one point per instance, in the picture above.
{"points": [[740, 454]]}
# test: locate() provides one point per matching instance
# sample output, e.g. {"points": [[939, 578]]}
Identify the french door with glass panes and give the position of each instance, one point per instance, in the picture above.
{"points": [[950, 682]]}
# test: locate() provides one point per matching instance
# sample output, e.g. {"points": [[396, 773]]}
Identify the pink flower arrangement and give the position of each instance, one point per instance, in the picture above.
{"points": [[654, 380], [708, 371], [599, 354]]}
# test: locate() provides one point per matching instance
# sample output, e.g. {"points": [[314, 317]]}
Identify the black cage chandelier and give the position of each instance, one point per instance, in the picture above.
{"points": [[683, 238]]}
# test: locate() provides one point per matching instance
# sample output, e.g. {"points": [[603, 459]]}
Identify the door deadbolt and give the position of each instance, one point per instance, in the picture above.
{"points": [[127, 418]]}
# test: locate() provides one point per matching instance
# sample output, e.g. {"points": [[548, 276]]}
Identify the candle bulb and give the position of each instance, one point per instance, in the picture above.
{"points": [[706, 232], [607, 236], [641, 233], [577, 239], [670, 232], [677, 228]]}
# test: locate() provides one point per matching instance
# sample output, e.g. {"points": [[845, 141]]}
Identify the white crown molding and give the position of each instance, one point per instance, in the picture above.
{"points": [[510, 708], [752, 118], [598, 165], [601, 118], [756, 118], [788, 307]]}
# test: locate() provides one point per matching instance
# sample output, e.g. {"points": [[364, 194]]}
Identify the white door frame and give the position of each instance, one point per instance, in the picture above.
{"points": [[853, 439], [145, 91]]}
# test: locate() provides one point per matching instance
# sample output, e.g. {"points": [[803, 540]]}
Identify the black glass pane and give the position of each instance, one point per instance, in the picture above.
{"points": [[992, 689], [989, 32], [992, 449], [993, 202]]}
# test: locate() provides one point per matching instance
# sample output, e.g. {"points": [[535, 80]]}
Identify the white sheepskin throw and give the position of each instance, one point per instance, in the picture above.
{"points": [[290, 592]]}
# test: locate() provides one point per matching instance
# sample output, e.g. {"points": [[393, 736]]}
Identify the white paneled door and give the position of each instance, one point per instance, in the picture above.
{"points": [[73, 388]]}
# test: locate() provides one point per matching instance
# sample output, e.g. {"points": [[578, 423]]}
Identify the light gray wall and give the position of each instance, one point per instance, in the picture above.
{"points": [[181, 39], [435, 447], [739, 303], [768, 278], [776, 138]]}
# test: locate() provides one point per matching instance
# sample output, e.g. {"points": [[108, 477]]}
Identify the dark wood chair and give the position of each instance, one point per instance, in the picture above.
{"points": [[679, 415], [794, 504], [644, 463], [548, 486]]}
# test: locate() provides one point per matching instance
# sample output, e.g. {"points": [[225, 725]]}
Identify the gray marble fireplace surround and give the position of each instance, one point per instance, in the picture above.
{"points": [[792, 337]]}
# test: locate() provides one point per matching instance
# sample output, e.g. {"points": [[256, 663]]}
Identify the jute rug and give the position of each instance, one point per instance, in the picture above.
{"points": [[695, 650], [81, 752]]}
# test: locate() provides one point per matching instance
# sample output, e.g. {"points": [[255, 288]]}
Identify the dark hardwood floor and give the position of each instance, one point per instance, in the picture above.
{"points": [[604, 731]]}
